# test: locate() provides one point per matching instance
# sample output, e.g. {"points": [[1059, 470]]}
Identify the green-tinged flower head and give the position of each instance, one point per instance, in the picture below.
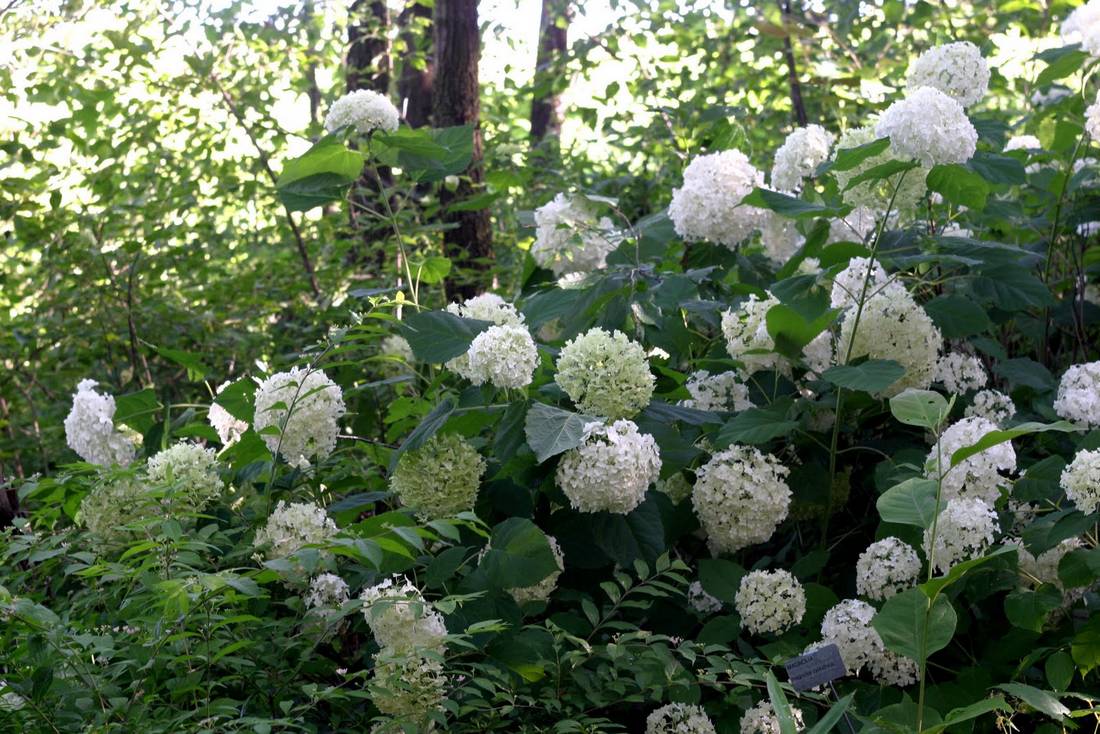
{"points": [[606, 374], [440, 478]]}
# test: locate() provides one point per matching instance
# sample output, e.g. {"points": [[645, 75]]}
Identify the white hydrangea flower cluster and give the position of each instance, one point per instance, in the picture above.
{"points": [[960, 372], [819, 355], [848, 283], [701, 601], [746, 332], [893, 326], [228, 428], [848, 626], [994, 406], [677, 487], [188, 473], [303, 407], [440, 478], [400, 619], [888, 668], [571, 238], [365, 110], [887, 567], [543, 589], [879, 195], [1079, 394], [112, 504], [708, 206], [979, 475], [801, 153], [90, 428], [484, 307], [408, 688], [605, 373], [1083, 26], [504, 356], [740, 496], [611, 470], [327, 592], [1022, 142], [720, 392], [770, 601], [855, 226], [1044, 569], [956, 69], [1081, 480], [398, 355], [964, 530], [292, 526], [780, 237], [1092, 119], [929, 126], [761, 719], [679, 718]]}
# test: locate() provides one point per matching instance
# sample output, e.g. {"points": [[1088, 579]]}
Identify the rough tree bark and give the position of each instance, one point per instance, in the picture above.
{"points": [[546, 115], [797, 105], [455, 101], [414, 84]]}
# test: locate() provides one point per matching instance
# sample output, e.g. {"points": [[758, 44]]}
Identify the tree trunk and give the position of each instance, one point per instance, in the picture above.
{"points": [[546, 115], [414, 84], [455, 101], [797, 105]]}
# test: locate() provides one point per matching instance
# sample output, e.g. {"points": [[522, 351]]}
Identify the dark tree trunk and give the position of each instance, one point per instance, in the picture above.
{"points": [[546, 116], [797, 105], [455, 101], [313, 91], [414, 84]]}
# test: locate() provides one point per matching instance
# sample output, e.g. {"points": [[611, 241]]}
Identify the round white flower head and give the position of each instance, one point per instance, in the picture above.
{"points": [[818, 355], [409, 688], [292, 526], [701, 601], [679, 718], [1081, 481], [885, 568], [721, 392], [1022, 142], [960, 372], [956, 69], [504, 356], [979, 475], [879, 195], [801, 153], [1083, 26], [303, 407], [1044, 569], [90, 428], [1079, 394], [964, 530], [893, 326], [485, 307], [543, 589], [855, 226], [400, 619], [929, 126], [571, 238], [440, 478], [746, 332], [365, 110], [611, 470], [327, 591], [761, 719], [994, 406], [770, 601], [780, 237], [605, 374], [228, 428], [891, 669], [112, 504], [848, 626], [848, 283], [188, 474], [1092, 119], [398, 355], [708, 206], [740, 496]]}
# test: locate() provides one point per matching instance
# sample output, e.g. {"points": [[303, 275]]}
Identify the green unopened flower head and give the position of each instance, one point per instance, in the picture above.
{"points": [[440, 478], [606, 374]]}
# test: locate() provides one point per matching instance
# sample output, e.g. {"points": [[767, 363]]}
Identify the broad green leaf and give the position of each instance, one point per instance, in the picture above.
{"points": [[1029, 609], [196, 370], [889, 169], [320, 175], [966, 713], [998, 169], [848, 158], [1059, 669], [872, 376], [993, 438], [1079, 567], [720, 578], [902, 625], [432, 270], [757, 425], [1038, 699], [934, 586], [788, 206], [1027, 372], [827, 722], [519, 555], [1066, 61], [913, 502], [439, 336], [959, 185], [1011, 287], [427, 428], [239, 399], [958, 317], [551, 431], [921, 408], [1085, 648], [640, 534], [791, 332], [138, 410], [426, 154]]}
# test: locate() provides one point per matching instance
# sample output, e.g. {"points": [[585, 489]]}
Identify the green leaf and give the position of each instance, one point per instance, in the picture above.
{"points": [[998, 169], [872, 376], [432, 270], [757, 425], [921, 408], [720, 578], [427, 428], [958, 317], [640, 534], [551, 431], [320, 175], [1060, 670], [848, 158], [1029, 609], [519, 555], [1011, 287], [239, 399], [1079, 567], [934, 586], [1026, 372], [196, 370], [881, 171], [913, 502], [138, 410], [959, 185], [426, 154], [246, 450], [901, 624], [788, 206], [791, 332], [720, 630], [1086, 646], [1038, 699], [1061, 65], [781, 706], [439, 336], [994, 438], [966, 713], [826, 723]]}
